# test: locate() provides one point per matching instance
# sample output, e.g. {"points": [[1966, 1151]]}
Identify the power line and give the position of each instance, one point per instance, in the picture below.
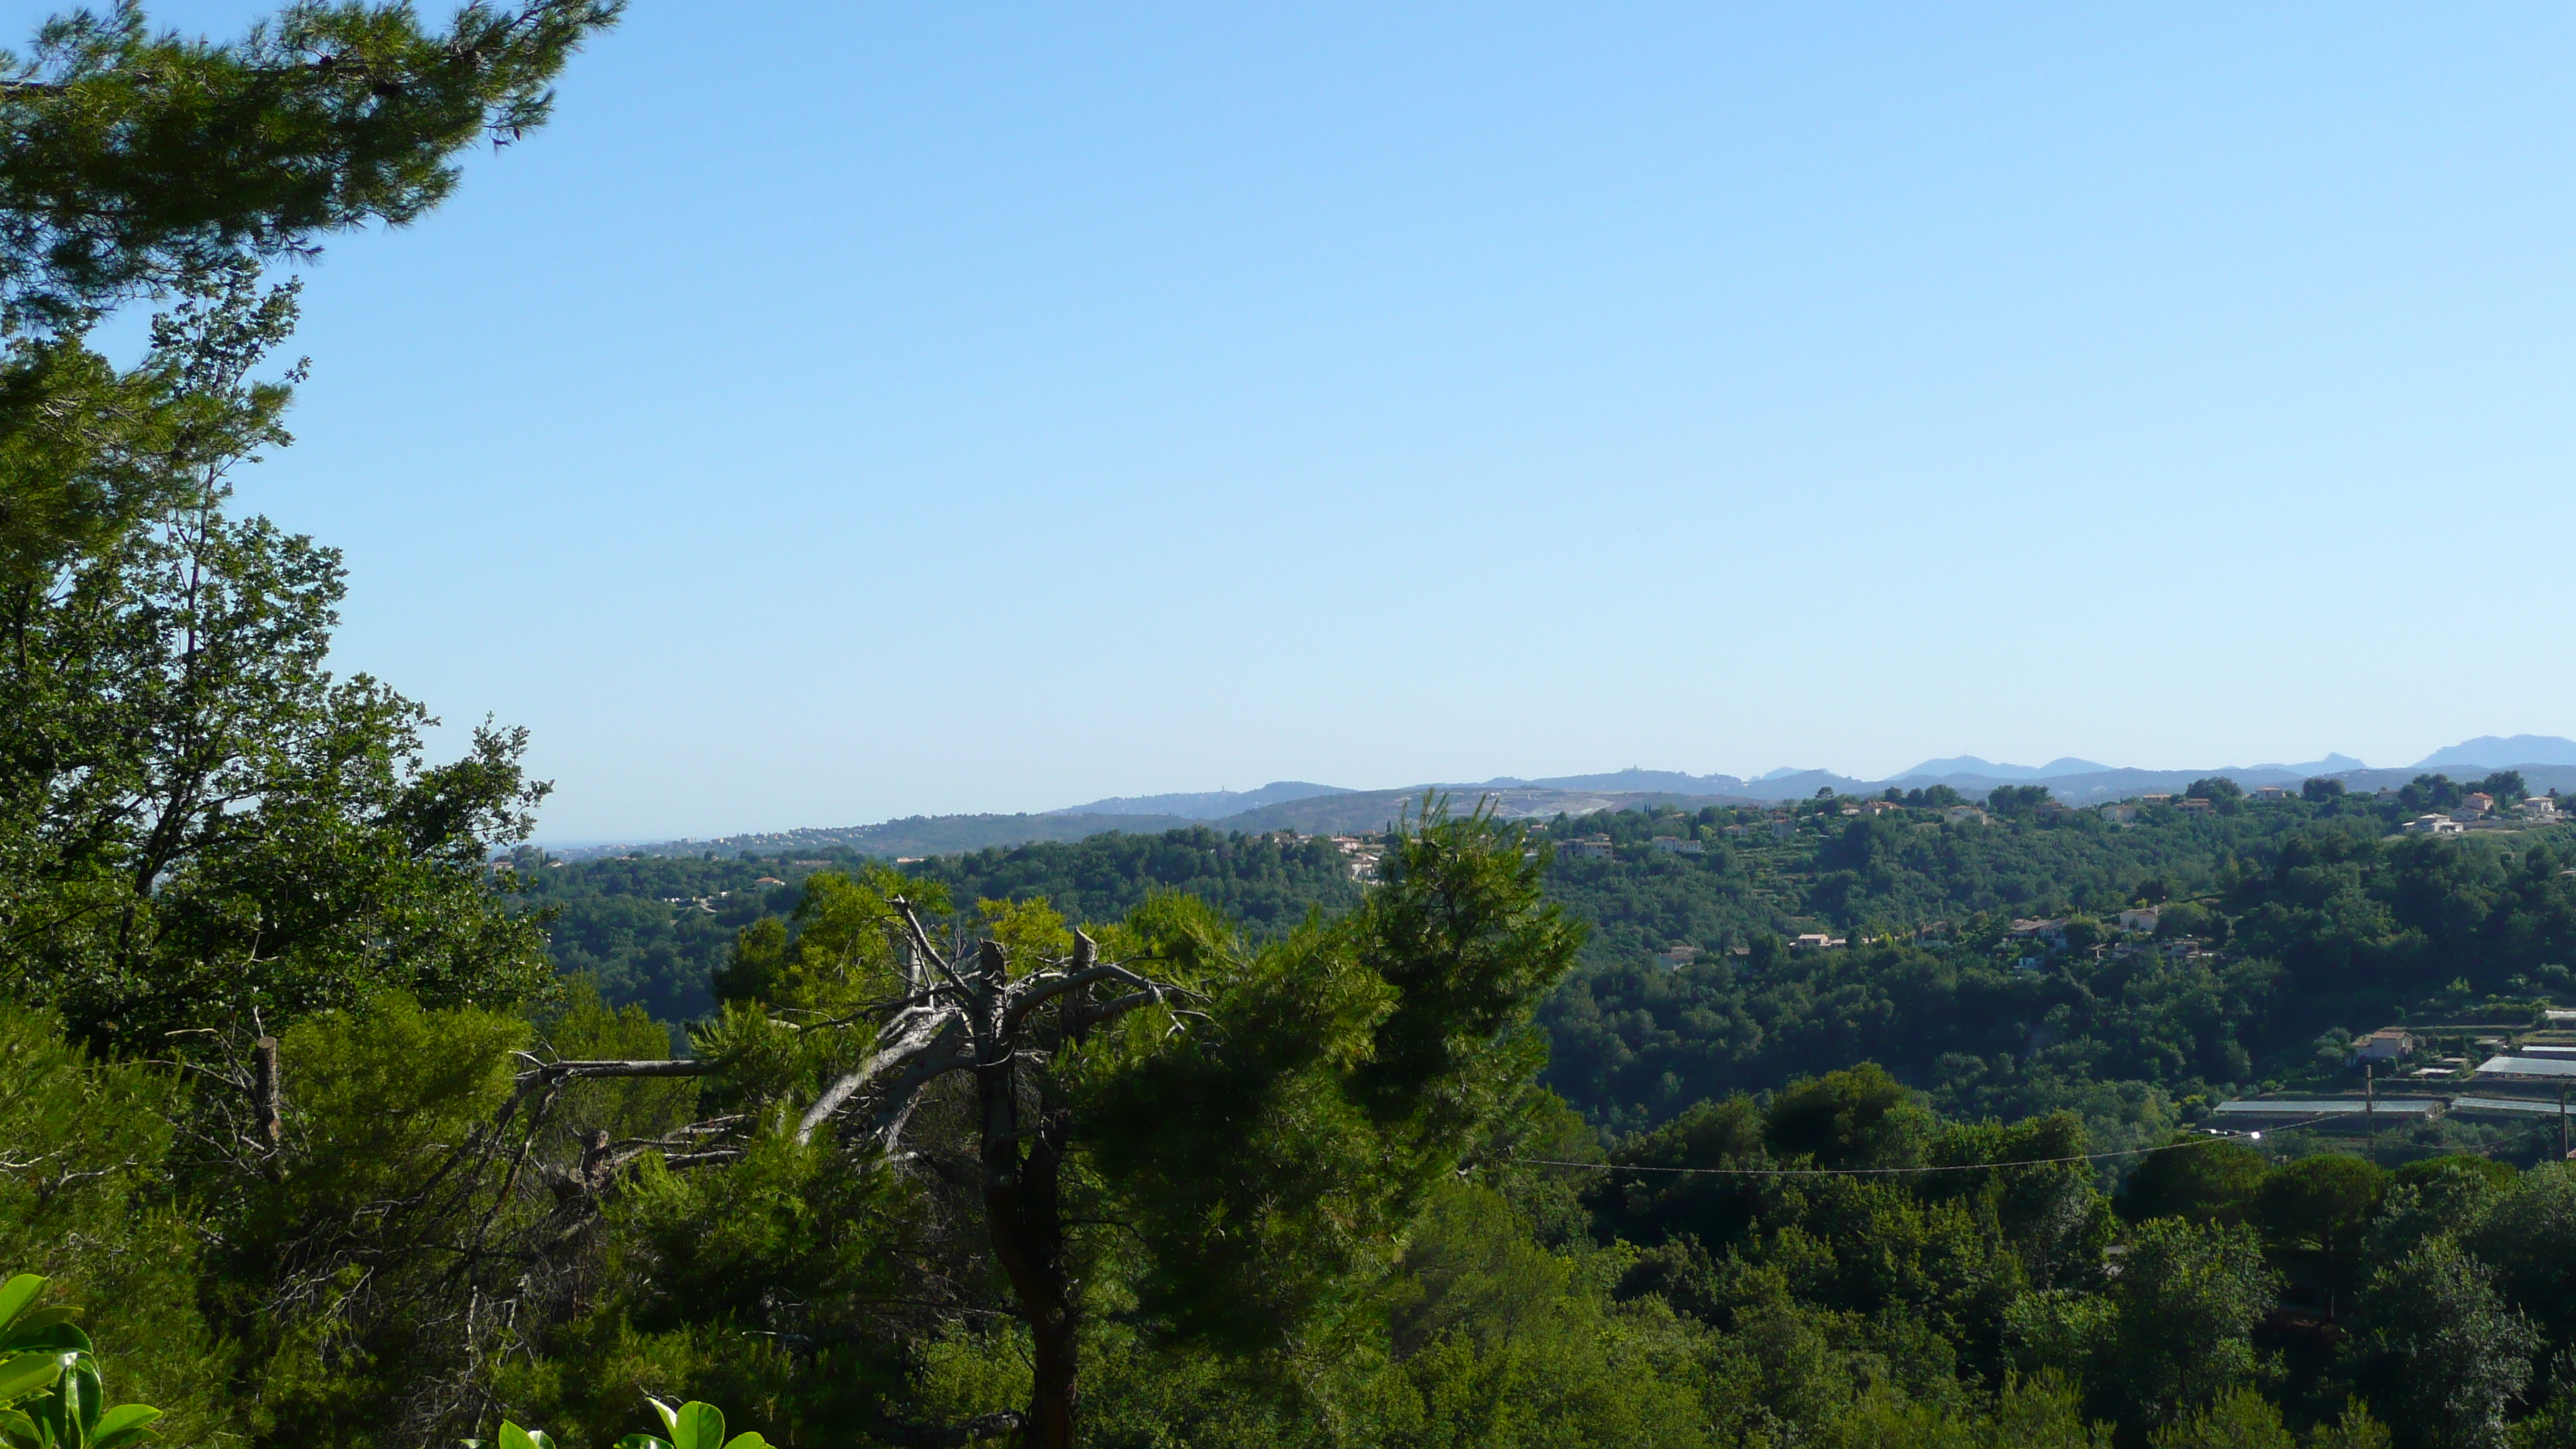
{"points": [[1885, 1171]]}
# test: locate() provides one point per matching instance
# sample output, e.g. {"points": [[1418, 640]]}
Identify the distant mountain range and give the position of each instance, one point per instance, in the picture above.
{"points": [[1209, 805], [2546, 761], [1971, 765], [2489, 752]]}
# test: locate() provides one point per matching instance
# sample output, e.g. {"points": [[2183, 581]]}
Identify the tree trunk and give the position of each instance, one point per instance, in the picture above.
{"points": [[1022, 1214], [1028, 1237]]}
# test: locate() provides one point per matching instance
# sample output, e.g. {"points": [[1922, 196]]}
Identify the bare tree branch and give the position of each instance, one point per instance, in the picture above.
{"points": [[574, 1071], [916, 1031], [946, 1436], [1107, 971], [921, 942]]}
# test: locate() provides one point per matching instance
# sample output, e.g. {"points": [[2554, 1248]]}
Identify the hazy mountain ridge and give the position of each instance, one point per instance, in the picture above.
{"points": [[1204, 805], [2547, 762], [2494, 753]]}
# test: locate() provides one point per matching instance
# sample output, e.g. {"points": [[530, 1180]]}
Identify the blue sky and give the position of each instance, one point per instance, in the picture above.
{"points": [[846, 411]]}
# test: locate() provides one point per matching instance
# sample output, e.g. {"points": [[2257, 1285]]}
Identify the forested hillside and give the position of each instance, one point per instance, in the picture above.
{"points": [[653, 930], [2281, 921], [1838, 1126], [2301, 917]]}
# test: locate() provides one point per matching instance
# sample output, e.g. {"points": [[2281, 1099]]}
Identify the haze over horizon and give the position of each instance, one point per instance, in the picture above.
{"points": [[2484, 752], [962, 410]]}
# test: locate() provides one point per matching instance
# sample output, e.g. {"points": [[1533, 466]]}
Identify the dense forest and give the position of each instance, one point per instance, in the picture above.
{"points": [[1854, 1123], [2299, 918]]}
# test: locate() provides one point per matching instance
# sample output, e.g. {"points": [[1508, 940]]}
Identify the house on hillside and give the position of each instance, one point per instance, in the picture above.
{"points": [[2479, 801], [2388, 1044], [2272, 792], [1818, 941], [1965, 814], [2156, 799], [1675, 957], [2122, 814], [2194, 805], [1675, 845], [2539, 808], [1591, 847], [2050, 932], [2433, 825], [1880, 807], [2143, 920]]}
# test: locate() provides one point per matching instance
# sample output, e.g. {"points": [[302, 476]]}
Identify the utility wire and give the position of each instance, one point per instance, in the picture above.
{"points": [[1884, 1171]]}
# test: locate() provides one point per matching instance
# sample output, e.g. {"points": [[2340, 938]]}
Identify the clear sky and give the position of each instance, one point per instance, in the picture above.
{"points": [[850, 410]]}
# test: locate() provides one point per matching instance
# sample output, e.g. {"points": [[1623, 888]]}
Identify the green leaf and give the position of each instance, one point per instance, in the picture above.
{"points": [[19, 1430], [747, 1439], [698, 1426], [642, 1441], [82, 1394], [54, 1337], [123, 1425], [16, 1294], [27, 1327], [31, 1373], [670, 1416], [514, 1437], [538, 1438]]}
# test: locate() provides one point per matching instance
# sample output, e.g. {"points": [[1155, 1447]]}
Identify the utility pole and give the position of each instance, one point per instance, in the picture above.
{"points": [[2562, 1119], [2370, 1104]]}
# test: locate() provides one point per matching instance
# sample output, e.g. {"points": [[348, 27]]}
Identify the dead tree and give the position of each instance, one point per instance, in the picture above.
{"points": [[976, 1018]]}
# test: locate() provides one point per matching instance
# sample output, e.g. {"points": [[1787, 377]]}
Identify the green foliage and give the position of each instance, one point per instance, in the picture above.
{"points": [[2322, 1204], [198, 822], [83, 1201], [2238, 1419], [51, 1390], [1267, 1162], [2301, 918], [2184, 1308], [1496, 1341], [2201, 1178], [138, 163], [693, 1425], [2441, 1350], [2528, 1236], [1858, 1118], [616, 921]]}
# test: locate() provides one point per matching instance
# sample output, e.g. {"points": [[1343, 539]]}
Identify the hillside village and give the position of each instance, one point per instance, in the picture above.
{"points": [[2497, 1065]]}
